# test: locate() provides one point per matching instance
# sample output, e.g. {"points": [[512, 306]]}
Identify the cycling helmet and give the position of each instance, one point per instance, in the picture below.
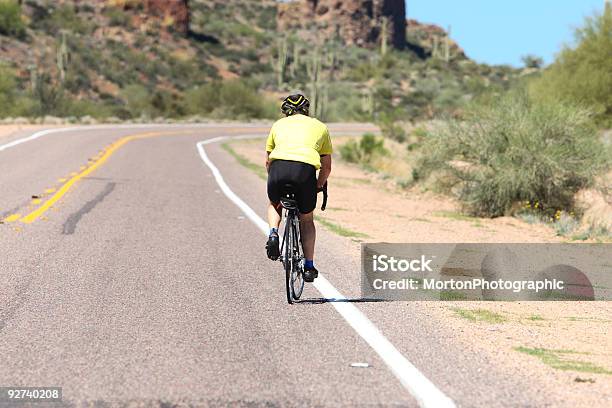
{"points": [[295, 104]]}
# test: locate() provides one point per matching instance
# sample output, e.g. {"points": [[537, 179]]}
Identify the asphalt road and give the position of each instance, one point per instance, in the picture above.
{"points": [[144, 285]]}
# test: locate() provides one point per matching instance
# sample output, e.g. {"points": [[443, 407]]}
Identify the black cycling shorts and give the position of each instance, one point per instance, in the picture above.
{"points": [[302, 176]]}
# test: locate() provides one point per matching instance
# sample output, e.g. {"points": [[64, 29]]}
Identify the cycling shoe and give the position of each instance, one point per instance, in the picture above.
{"points": [[310, 274], [272, 248]]}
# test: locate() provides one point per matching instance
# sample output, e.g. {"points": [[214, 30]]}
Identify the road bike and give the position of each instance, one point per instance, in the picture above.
{"points": [[292, 255]]}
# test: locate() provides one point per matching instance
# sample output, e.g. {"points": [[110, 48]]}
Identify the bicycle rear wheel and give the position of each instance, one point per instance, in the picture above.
{"points": [[287, 258], [297, 270]]}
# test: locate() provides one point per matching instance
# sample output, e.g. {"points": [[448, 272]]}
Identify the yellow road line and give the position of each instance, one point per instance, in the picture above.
{"points": [[11, 218], [36, 214]]}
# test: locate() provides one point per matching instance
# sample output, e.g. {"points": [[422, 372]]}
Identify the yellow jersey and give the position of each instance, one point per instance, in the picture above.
{"points": [[299, 138]]}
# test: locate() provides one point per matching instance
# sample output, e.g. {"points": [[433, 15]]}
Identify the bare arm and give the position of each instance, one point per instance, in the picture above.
{"points": [[268, 161], [326, 166]]}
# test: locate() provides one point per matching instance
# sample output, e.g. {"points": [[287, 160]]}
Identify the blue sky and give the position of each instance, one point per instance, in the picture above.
{"points": [[500, 32]]}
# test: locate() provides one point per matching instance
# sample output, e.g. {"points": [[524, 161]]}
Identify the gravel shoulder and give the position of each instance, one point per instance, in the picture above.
{"points": [[6, 131], [566, 344]]}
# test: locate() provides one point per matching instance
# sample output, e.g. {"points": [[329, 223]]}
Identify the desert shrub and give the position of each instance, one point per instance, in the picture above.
{"points": [[138, 100], [51, 98], [364, 150], [229, 100], [515, 149], [48, 95], [64, 17], [449, 98], [362, 72], [390, 127], [117, 17], [474, 85], [565, 224], [241, 30], [345, 103], [83, 107], [581, 75], [532, 61], [166, 104], [267, 18], [416, 138], [11, 23], [13, 101], [7, 90], [113, 60], [141, 101]]}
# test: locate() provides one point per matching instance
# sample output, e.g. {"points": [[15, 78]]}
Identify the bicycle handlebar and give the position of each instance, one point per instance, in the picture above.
{"points": [[324, 190]]}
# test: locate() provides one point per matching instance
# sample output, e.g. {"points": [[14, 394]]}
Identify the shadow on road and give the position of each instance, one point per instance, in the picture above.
{"points": [[318, 301]]}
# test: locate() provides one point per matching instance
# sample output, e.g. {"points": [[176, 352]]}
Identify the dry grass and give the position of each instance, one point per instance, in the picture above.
{"points": [[596, 203]]}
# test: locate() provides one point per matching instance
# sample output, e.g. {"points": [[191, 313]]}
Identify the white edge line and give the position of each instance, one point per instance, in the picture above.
{"points": [[423, 390]]}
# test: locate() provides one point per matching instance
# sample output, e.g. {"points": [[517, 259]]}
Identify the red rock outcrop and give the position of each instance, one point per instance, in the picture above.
{"points": [[176, 11], [172, 13], [356, 22], [427, 35]]}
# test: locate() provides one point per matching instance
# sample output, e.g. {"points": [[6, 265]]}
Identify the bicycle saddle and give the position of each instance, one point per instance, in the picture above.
{"points": [[288, 197]]}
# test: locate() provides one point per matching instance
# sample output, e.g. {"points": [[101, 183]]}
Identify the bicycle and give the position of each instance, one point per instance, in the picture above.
{"points": [[292, 255]]}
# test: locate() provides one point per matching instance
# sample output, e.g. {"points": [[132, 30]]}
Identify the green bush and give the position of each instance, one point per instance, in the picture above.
{"points": [[49, 97], [166, 104], [7, 89], [390, 126], [345, 103], [515, 149], [532, 61], [63, 17], [11, 23], [364, 150], [74, 107], [117, 17], [13, 101], [229, 100], [581, 75], [138, 100]]}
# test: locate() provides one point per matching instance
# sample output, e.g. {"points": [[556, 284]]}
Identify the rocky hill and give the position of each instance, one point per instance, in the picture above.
{"points": [[126, 58], [364, 23]]}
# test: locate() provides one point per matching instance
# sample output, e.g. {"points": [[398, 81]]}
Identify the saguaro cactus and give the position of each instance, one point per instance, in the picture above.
{"points": [[447, 46], [280, 63], [435, 46], [62, 58], [322, 104], [313, 68], [33, 77], [367, 102], [384, 34], [295, 61], [331, 59]]}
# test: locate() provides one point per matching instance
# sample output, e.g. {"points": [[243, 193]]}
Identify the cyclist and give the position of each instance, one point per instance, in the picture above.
{"points": [[297, 147]]}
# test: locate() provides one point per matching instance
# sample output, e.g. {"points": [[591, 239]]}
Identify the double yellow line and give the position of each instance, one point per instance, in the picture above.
{"points": [[97, 162]]}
